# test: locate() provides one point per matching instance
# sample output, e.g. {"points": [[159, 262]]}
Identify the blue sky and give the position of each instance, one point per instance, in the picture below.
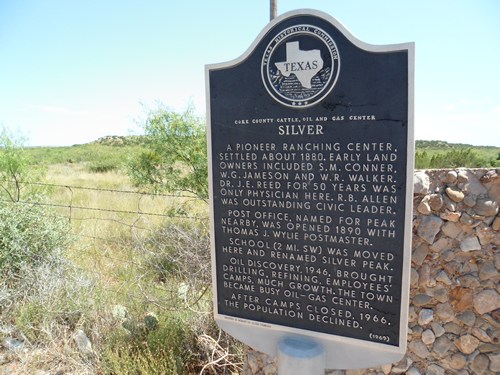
{"points": [[73, 71]]}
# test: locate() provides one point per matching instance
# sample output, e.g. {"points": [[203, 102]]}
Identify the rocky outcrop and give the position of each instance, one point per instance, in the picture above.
{"points": [[119, 140]]}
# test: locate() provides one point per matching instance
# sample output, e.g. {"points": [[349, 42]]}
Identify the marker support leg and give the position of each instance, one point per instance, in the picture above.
{"points": [[298, 355]]}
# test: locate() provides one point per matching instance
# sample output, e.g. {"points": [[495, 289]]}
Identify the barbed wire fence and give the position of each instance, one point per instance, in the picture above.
{"points": [[143, 212], [71, 188]]}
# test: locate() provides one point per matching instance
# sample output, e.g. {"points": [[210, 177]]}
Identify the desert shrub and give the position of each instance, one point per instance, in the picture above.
{"points": [[422, 160], [40, 289], [179, 250], [454, 158], [103, 166], [176, 260], [457, 158], [42, 305], [29, 235], [16, 170], [165, 350], [44, 298]]}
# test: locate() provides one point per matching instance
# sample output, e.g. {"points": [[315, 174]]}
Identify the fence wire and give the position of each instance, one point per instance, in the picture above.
{"points": [[65, 204], [71, 206]]}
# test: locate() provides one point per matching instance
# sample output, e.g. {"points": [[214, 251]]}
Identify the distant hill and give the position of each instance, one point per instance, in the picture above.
{"points": [[119, 140], [111, 151], [442, 145]]}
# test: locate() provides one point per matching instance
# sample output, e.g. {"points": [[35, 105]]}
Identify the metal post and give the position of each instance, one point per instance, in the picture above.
{"points": [[299, 355], [273, 9]]}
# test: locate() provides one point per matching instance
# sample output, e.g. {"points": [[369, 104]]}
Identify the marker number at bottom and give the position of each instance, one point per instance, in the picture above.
{"points": [[379, 337]]}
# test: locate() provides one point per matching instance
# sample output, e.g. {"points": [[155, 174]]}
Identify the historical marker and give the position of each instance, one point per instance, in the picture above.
{"points": [[311, 160]]}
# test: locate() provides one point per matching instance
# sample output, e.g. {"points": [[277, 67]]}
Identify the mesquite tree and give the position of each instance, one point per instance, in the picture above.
{"points": [[17, 173], [175, 158]]}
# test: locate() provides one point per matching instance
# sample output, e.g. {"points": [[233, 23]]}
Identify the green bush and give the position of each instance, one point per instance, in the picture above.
{"points": [[47, 302], [42, 295], [166, 350], [179, 251], [455, 158], [103, 166], [29, 236], [16, 172], [422, 160], [175, 155]]}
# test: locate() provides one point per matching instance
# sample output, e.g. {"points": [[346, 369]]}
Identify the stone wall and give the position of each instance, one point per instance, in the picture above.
{"points": [[454, 319]]}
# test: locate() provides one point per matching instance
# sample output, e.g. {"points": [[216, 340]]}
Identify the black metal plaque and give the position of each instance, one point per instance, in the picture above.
{"points": [[310, 148]]}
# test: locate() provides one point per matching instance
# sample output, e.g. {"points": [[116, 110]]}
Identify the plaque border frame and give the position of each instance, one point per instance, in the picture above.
{"points": [[341, 352]]}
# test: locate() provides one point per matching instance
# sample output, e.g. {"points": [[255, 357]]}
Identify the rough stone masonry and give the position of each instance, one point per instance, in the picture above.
{"points": [[454, 316]]}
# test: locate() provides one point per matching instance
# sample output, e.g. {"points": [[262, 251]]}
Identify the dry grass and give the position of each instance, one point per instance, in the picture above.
{"points": [[121, 257]]}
